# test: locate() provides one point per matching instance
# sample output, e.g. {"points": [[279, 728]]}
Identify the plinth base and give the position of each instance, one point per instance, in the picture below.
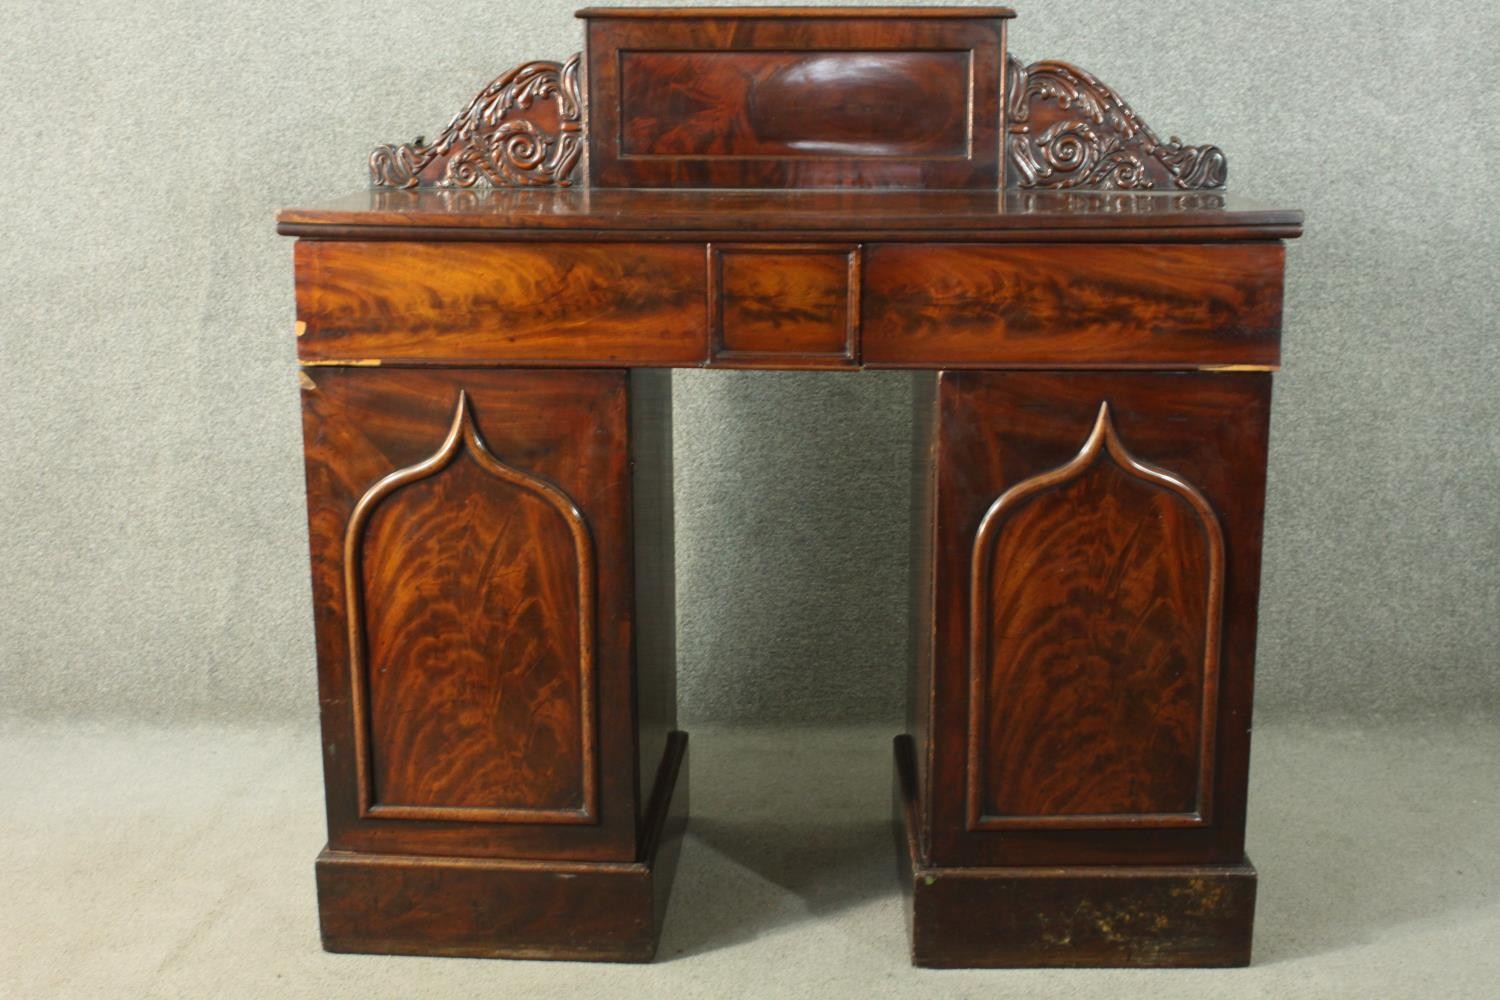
{"points": [[502, 908], [1103, 916]]}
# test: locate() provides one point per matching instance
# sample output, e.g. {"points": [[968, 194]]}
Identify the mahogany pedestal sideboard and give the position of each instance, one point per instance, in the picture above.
{"points": [[485, 339]]}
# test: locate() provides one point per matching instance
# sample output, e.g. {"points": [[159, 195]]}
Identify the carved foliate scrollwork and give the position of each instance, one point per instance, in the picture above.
{"points": [[1067, 130], [525, 128]]}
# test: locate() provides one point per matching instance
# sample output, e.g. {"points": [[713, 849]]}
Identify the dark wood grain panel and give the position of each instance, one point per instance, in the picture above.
{"points": [[480, 739], [558, 303], [789, 98], [784, 304], [1000, 430], [471, 615], [794, 104], [921, 610], [655, 570], [1095, 608], [477, 908], [1148, 305]]}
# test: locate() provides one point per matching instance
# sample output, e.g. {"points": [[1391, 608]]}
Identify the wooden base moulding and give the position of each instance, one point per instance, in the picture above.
{"points": [[502, 908], [1115, 916]]}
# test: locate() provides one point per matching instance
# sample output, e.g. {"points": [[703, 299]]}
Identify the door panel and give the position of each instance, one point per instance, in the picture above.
{"points": [[1096, 568], [471, 619], [472, 579], [1094, 632]]}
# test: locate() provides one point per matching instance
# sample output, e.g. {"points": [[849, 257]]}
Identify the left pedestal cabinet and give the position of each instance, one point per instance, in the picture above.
{"points": [[489, 646]]}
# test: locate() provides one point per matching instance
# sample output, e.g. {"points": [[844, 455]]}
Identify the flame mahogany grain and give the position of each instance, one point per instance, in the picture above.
{"points": [[793, 104], [1058, 305], [793, 305], [472, 616], [1062, 693], [553, 303]]}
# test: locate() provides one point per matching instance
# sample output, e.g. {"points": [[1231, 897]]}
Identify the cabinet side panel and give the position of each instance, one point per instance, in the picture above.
{"points": [[655, 570], [920, 654]]}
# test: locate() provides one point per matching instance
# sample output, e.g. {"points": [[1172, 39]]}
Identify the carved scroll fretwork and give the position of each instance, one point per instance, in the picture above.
{"points": [[525, 128], [1069, 130]]}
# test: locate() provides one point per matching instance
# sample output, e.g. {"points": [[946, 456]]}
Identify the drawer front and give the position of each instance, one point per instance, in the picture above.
{"points": [[784, 305], [1061, 305], [502, 303]]}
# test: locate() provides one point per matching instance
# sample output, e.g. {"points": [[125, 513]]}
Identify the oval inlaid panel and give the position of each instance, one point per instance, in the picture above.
{"points": [[717, 103], [1095, 647]]}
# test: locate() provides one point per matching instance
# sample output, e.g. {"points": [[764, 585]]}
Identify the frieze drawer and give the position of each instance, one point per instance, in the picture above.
{"points": [[501, 303], [784, 305], [1070, 305]]}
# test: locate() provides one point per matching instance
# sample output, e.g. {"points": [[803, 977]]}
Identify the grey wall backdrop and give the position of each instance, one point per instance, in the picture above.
{"points": [[152, 543]]}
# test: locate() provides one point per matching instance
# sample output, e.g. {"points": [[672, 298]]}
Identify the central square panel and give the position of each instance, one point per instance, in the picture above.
{"points": [[784, 304]]}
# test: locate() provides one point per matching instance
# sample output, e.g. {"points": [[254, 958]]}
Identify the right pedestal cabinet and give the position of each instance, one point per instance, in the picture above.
{"points": [[1087, 566]]}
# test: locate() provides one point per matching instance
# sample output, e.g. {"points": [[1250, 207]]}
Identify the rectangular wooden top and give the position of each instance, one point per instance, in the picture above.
{"points": [[862, 215], [699, 13]]}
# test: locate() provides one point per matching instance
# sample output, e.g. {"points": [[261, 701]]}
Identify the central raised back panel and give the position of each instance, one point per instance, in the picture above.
{"points": [[788, 97]]}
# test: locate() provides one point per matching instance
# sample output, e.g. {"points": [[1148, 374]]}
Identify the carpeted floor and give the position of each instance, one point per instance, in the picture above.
{"points": [[178, 863]]}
